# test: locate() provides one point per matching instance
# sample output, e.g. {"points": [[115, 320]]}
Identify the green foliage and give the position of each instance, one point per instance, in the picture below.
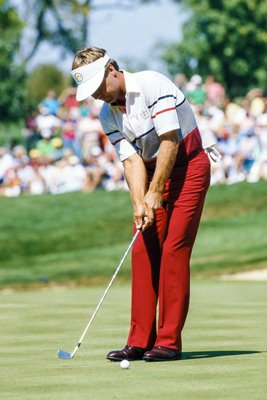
{"points": [[62, 23], [227, 39], [11, 134], [12, 90], [43, 78], [65, 23], [10, 28]]}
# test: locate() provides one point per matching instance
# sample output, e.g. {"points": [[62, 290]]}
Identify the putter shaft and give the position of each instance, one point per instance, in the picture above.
{"points": [[66, 355]]}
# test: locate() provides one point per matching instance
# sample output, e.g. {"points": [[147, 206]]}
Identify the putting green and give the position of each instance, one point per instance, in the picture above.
{"points": [[224, 346]]}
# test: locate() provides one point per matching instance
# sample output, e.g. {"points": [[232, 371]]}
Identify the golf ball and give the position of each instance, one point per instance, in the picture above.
{"points": [[124, 364]]}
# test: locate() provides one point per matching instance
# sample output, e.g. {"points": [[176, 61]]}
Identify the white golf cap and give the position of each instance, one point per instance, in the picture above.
{"points": [[89, 77]]}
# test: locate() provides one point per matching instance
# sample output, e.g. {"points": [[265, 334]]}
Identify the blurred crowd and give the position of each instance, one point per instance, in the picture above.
{"points": [[66, 150], [237, 129]]}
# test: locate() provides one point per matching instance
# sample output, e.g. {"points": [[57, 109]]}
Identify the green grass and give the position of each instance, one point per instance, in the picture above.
{"points": [[83, 236], [232, 235], [224, 346]]}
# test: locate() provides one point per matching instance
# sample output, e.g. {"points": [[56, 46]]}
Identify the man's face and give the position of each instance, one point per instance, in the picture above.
{"points": [[109, 90]]}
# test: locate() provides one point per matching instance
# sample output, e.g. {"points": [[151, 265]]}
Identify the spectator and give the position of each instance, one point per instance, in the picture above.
{"points": [[6, 162], [95, 169], [31, 179], [70, 135], [69, 102], [90, 132], [47, 122], [215, 92], [51, 103], [45, 145], [30, 132], [195, 92], [11, 186], [259, 168], [181, 82], [70, 176], [257, 103], [20, 155], [238, 130]]}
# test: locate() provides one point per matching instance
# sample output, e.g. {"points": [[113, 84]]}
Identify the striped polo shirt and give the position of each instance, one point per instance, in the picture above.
{"points": [[154, 106]]}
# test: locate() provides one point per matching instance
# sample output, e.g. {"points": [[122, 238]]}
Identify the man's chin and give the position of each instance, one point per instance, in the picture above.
{"points": [[109, 100], [117, 103]]}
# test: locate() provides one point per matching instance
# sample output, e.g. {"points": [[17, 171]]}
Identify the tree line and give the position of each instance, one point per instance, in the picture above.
{"points": [[223, 38]]}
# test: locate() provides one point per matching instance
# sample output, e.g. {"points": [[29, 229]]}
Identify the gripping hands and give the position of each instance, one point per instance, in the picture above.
{"points": [[144, 213]]}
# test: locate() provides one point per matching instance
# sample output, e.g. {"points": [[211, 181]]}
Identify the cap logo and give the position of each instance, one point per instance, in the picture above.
{"points": [[88, 77], [78, 76]]}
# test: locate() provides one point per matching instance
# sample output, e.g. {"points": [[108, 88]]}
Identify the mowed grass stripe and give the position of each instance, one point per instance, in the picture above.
{"points": [[224, 346]]}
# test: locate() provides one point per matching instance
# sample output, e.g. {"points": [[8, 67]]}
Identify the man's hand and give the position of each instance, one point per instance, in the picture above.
{"points": [[139, 216], [152, 202], [147, 200], [144, 212]]}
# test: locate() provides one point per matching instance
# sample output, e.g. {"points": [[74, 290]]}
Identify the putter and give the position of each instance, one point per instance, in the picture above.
{"points": [[65, 354]]}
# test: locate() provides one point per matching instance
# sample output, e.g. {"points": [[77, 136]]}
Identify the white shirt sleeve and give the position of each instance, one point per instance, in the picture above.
{"points": [[122, 146], [163, 98]]}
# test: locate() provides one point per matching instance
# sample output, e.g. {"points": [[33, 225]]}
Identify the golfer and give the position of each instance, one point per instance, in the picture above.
{"points": [[152, 127]]}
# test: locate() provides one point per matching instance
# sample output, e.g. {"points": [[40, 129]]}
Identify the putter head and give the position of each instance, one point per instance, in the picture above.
{"points": [[64, 354]]}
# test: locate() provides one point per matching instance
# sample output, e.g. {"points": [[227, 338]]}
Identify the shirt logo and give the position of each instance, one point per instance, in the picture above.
{"points": [[78, 76], [144, 114]]}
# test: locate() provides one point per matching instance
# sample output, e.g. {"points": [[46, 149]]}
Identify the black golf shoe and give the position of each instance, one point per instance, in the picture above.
{"points": [[129, 353]]}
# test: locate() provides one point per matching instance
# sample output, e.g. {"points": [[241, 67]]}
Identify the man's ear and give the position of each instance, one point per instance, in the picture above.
{"points": [[112, 69]]}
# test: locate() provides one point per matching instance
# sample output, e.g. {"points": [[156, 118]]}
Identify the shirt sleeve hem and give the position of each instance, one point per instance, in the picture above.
{"points": [[124, 156], [167, 129]]}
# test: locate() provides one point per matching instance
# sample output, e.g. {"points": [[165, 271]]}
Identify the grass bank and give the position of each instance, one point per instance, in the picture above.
{"points": [[83, 236]]}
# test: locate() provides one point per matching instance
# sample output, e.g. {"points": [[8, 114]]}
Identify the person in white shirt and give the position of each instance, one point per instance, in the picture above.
{"points": [[152, 127]]}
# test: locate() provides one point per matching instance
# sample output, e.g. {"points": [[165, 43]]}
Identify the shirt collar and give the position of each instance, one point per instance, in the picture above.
{"points": [[132, 86], [131, 83]]}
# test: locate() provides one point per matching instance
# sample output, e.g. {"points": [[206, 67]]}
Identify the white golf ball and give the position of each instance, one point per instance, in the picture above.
{"points": [[124, 364]]}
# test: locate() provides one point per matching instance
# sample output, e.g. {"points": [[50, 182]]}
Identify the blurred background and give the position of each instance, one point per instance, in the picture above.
{"points": [[214, 51], [66, 215]]}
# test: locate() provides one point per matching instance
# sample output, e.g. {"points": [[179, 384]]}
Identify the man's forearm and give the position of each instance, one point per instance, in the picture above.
{"points": [[165, 161], [136, 178]]}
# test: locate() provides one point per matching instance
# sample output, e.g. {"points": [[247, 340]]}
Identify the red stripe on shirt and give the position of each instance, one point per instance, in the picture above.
{"points": [[162, 111], [117, 141]]}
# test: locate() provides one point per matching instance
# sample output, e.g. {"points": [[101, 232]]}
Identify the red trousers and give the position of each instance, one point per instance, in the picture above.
{"points": [[161, 259]]}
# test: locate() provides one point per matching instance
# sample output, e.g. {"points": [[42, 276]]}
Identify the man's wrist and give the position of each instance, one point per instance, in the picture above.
{"points": [[156, 188]]}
